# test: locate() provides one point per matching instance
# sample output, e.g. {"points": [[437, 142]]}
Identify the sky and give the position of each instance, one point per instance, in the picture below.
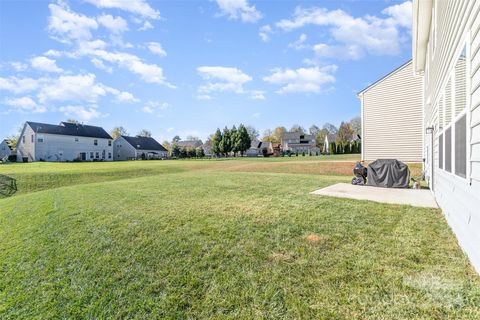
{"points": [[187, 67]]}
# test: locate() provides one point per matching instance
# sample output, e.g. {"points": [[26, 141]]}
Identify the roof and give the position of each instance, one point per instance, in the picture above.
{"points": [[255, 144], [296, 135], [189, 143], [8, 143], [385, 76], [70, 129], [144, 143]]}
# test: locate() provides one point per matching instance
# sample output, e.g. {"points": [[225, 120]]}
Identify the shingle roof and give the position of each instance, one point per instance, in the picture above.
{"points": [[8, 143], [144, 143], [190, 143], [70, 129]]}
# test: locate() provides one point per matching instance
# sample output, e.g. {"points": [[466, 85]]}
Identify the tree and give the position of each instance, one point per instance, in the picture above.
{"points": [[268, 136], [118, 131], [278, 133], [175, 152], [244, 138], [71, 120], [252, 132], [356, 126], [234, 140], [193, 138], [320, 138], [14, 138], [191, 152], [167, 145], [176, 139], [216, 140], [226, 142], [314, 130], [333, 148], [199, 152], [297, 128], [344, 133], [144, 133], [183, 152], [330, 128]]}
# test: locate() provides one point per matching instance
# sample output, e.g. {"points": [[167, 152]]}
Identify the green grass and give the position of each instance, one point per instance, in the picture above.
{"points": [[220, 239]]}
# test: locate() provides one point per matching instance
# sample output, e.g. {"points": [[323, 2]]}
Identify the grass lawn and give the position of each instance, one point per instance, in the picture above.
{"points": [[236, 239]]}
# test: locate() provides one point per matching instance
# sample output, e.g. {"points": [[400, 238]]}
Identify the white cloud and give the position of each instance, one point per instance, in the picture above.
{"points": [[18, 66], [17, 85], [66, 25], [114, 24], [257, 95], [127, 97], [264, 32], [146, 26], [138, 7], [170, 129], [45, 64], [81, 87], [100, 65], [25, 105], [302, 80], [355, 37], [299, 43], [222, 79], [256, 115], [204, 97], [155, 107], [81, 113], [239, 10], [156, 48]]}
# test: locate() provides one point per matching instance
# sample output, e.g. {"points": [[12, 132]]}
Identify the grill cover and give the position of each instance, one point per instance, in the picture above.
{"points": [[388, 173]]}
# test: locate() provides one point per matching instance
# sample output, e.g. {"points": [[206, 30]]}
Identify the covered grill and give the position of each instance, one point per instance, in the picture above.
{"points": [[388, 173]]}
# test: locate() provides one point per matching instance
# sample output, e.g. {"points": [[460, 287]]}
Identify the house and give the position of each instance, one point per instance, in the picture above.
{"points": [[391, 113], [136, 148], [446, 56], [297, 142], [207, 150], [64, 142], [255, 149], [6, 149], [329, 138], [266, 148], [189, 143]]}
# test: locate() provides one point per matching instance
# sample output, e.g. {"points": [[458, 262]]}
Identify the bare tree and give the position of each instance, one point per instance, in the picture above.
{"points": [[144, 133], [118, 131]]}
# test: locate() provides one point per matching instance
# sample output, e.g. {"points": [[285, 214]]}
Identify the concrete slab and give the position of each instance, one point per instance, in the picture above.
{"points": [[416, 198]]}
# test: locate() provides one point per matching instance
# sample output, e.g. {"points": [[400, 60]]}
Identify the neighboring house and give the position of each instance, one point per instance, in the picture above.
{"points": [[136, 148], [207, 150], [255, 149], [6, 149], [266, 148], [391, 112], [446, 56], [63, 142], [189, 143], [297, 142], [329, 138]]}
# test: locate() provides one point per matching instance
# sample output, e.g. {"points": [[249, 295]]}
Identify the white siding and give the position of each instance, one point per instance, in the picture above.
{"points": [[25, 147], [392, 117], [4, 149], [122, 150], [458, 22]]}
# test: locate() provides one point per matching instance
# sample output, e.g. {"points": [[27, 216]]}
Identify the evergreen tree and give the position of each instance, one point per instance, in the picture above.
{"points": [[333, 148], [175, 152], [234, 140], [226, 142], [199, 152], [216, 140], [245, 140]]}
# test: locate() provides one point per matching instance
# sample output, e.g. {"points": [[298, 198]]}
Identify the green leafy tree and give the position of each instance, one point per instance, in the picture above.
{"points": [[234, 140], [191, 152], [333, 148], [216, 141], [175, 152], [244, 138], [226, 142], [320, 137], [167, 145], [183, 152], [200, 153], [278, 133], [176, 139]]}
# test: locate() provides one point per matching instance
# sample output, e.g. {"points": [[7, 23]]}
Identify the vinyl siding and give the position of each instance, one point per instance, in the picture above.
{"points": [[458, 22], [392, 117]]}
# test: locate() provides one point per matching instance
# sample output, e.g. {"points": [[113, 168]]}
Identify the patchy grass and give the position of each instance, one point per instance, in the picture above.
{"points": [[205, 239]]}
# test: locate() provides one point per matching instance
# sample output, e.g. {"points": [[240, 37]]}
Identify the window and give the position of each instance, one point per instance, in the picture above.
{"points": [[461, 147], [91, 155], [32, 138], [97, 155], [23, 139], [109, 155], [95, 143], [448, 149], [40, 139], [109, 143], [76, 139], [440, 151]]}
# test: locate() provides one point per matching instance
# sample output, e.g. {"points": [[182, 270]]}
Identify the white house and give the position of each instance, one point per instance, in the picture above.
{"points": [[446, 56], [63, 142], [391, 112], [255, 149], [6, 149], [131, 148], [298, 142]]}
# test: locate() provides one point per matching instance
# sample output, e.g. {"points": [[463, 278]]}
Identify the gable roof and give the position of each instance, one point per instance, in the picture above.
{"points": [[70, 129], [385, 77], [296, 135], [190, 143], [144, 143]]}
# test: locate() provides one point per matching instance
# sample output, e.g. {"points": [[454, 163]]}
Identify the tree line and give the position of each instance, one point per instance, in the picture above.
{"points": [[231, 141]]}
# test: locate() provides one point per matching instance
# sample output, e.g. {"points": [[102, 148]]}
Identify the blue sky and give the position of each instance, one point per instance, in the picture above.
{"points": [[188, 67]]}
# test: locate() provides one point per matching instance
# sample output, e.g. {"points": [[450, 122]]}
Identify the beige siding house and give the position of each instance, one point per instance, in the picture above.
{"points": [[391, 111], [63, 142], [446, 56], [297, 142], [134, 148]]}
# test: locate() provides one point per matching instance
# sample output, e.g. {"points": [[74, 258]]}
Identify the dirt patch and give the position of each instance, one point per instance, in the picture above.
{"points": [[315, 238]]}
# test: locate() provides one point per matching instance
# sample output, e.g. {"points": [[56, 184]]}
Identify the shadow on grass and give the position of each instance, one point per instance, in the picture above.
{"points": [[8, 186]]}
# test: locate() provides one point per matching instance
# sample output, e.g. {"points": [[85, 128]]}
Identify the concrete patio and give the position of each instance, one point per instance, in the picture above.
{"points": [[417, 198]]}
